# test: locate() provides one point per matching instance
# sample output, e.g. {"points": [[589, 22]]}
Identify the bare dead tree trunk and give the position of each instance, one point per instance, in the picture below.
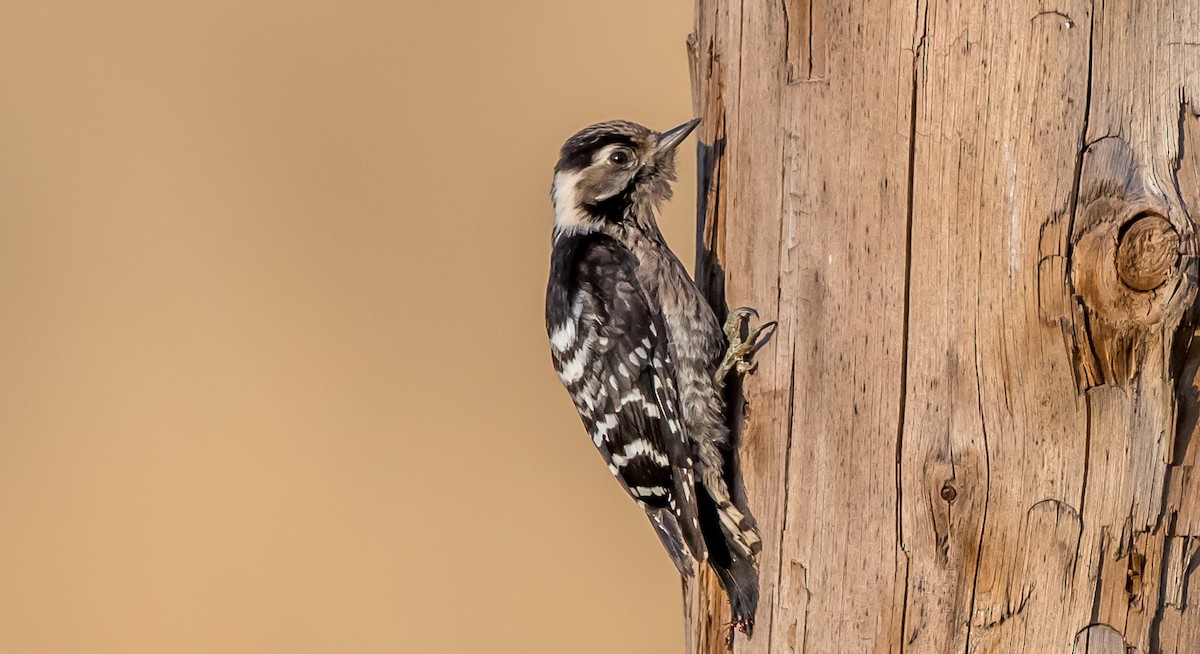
{"points": [[974, 430]]}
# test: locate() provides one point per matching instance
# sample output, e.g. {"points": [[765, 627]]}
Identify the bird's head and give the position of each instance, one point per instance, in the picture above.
{"points": [[609, 172]]}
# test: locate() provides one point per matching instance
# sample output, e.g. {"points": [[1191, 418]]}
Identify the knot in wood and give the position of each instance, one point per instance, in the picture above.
{"points": [[949, 492], [1147, 252]]}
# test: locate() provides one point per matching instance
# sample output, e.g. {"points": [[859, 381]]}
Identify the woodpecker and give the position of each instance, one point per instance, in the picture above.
{"points": [[642, 354]]}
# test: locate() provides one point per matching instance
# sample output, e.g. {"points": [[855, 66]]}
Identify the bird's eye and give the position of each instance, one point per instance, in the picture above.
{"points": [[620, 157]]}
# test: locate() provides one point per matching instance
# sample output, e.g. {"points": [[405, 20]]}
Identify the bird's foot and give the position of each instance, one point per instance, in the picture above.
{"points": [[738, 624], [740, 349]]}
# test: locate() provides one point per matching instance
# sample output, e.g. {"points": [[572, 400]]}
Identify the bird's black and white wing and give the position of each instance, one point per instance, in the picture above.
{"points": [[610, 349]]}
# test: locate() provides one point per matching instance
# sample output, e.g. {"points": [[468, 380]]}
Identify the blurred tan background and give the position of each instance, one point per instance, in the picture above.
{"points": [[273, 372]]}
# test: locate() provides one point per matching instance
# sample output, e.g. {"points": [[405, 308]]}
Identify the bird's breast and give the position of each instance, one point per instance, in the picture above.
{"points": [[691, 325]]}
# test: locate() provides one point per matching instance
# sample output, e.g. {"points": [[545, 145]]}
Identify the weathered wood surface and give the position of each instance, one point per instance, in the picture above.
{"points": [[974, 430]]}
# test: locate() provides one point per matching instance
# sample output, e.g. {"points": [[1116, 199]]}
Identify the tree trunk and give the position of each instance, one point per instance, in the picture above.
{"points": [[973, 430]]}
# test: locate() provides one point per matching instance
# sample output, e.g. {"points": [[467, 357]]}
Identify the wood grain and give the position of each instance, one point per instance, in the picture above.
{"points": [[974, 428]]}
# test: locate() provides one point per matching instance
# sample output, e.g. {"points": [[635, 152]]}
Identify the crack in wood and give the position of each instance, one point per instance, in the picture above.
{"points": [[907, 305], [787, 478], [1077, 178], [804, 44], [987, 483], [1052, 12]]}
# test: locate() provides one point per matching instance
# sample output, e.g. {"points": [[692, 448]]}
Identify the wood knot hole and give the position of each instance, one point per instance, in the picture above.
{"points": [[1147, 252], [949, 492]]}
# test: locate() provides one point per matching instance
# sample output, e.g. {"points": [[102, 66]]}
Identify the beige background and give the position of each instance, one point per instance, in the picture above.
{"points": [[273, 373]]}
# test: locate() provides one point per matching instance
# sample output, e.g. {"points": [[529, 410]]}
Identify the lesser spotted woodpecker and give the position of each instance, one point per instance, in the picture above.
{"points": [[642, 353]]}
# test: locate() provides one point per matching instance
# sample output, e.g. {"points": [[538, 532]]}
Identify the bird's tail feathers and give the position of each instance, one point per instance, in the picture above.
{"points": [[739, 529], [733, 545], [737, 523], [739, 578], [667, 528]]}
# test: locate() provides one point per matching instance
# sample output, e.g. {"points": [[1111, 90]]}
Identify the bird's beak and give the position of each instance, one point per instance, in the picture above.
{"points": [[670, 139]]}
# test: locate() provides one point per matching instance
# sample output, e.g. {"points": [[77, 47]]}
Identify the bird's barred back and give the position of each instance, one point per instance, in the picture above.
{"points": [[610, 353]]}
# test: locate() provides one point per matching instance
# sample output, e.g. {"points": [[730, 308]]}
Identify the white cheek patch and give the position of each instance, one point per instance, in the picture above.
{"points": [[568, 215]]}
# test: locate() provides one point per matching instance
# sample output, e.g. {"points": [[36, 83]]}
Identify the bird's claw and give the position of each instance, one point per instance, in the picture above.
{"points": [[740, 624], [738, 355], [733, 324]]}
